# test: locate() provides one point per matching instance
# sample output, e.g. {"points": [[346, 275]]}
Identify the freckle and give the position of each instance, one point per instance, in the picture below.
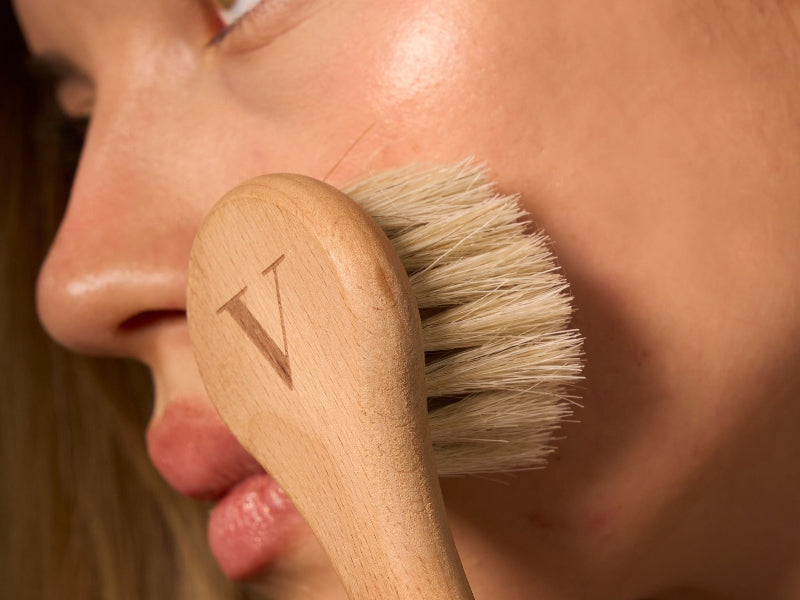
{"points": [[541, 521], [643, 356], [601, 523]]}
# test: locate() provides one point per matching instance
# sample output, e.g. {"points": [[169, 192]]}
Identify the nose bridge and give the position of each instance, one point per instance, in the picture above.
{"points": [[122, 248]]}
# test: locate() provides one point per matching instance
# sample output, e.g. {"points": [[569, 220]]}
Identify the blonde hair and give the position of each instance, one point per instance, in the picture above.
{"points": [[85, 515]]}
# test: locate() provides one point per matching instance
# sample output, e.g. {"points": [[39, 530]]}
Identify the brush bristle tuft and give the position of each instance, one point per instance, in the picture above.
{"points": [[501, 360]]}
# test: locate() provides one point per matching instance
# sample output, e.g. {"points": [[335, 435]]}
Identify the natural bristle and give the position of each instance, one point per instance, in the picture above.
{"points": [[495, 310]]}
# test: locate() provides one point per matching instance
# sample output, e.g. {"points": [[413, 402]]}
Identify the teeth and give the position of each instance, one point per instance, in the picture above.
{"points": [[503, 360]]}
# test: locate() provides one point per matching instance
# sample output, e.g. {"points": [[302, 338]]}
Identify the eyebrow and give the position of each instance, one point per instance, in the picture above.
{"points": [[54, 66]]}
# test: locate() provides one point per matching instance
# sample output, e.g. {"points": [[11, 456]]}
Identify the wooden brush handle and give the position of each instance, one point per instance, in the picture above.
{"points": [[308, 339]]}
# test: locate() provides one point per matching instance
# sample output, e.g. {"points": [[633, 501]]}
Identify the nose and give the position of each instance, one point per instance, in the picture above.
{"points": [[118, 263]]}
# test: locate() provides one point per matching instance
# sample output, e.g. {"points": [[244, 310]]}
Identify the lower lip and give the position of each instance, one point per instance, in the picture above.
{"points": [[252, 527]]}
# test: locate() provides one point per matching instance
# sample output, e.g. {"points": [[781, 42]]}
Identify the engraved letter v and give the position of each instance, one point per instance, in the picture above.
{"points": [[250, 325]]}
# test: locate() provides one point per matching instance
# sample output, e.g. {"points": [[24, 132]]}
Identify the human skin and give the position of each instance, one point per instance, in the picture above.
{"points": [[658, 143]]}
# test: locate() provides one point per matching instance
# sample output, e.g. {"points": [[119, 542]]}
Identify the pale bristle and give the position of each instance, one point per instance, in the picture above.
{"points": [[501, 360]]}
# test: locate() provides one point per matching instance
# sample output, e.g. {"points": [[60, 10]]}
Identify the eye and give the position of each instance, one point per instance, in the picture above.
{"points": [[230, 11], [243, 25]]}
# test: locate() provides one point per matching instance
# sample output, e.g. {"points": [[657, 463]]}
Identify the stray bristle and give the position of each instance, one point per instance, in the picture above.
{"points": [[500, 357]]}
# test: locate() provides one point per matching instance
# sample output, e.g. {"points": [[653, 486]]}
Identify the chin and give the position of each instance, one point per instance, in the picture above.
{"points": [[302, 573]]}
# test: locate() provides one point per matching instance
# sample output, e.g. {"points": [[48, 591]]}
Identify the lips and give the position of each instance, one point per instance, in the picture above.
{"points": [[196, 453], [253, 523], [252, 527]]}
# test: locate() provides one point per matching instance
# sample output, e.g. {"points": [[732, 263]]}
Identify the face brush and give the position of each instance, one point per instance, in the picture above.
{"points": [[305, 320]]}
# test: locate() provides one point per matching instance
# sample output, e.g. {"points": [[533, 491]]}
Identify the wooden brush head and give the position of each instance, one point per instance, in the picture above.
{"points": [[502, 363]]}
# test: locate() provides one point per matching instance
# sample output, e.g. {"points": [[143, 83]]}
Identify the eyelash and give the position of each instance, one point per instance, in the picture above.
{"points": [[236, 10], [232, 16]]}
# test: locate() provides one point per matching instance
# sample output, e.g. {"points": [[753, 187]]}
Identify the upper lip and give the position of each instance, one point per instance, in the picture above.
{"points": [[196, 453]]}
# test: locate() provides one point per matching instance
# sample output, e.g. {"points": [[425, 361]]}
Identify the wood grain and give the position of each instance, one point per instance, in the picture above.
{"points": [[308, 339]]}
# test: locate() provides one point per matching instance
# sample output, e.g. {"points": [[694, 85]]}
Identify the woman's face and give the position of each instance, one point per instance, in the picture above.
{"points": [[658, 144]]}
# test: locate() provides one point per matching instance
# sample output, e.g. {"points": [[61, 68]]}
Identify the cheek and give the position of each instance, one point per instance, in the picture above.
{"points": [[391, 85], [421, 67]]}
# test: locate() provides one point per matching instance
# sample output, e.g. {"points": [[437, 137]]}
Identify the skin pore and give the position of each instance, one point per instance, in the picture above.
{"points": [[657, 143]]}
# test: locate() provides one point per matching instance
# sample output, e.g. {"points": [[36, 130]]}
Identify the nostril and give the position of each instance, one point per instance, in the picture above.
{"points": [[149, 317]]}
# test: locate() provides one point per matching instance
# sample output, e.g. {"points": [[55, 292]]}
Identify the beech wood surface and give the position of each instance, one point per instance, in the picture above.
{"points": [[308, 339]]}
